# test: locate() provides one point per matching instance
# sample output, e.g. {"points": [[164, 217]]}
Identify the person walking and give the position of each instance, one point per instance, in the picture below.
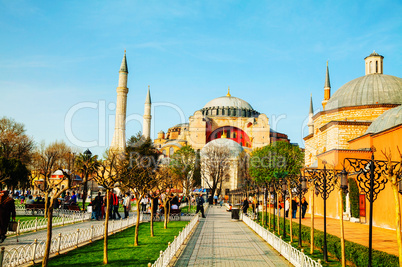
{"points": [[287, 206], [126, 205], [245, 206], [294, 208], [115, 199], [304, 205], [7, 208], [200, 205], [97, 206]]}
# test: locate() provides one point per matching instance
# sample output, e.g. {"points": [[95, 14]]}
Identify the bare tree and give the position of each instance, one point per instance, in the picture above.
{"points": [[46, 160], [394, 174], [16, 150], [138, 175], [108, 176], [54, 157], [215, 166]]}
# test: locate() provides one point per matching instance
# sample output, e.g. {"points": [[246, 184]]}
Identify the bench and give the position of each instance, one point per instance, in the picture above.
{"points": [[38, 208]]}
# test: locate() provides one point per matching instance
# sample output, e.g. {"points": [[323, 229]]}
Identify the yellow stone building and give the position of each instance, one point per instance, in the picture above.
{"points": [[344, 129]]}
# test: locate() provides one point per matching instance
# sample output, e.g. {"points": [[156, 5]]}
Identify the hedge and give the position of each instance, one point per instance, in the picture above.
{"points": [[355, 253]]}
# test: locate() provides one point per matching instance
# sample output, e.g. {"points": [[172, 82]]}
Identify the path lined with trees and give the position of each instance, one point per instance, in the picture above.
{"points": [[219, 241]]}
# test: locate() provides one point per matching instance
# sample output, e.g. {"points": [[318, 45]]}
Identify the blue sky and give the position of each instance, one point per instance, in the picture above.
{"points": [[60, 59]]}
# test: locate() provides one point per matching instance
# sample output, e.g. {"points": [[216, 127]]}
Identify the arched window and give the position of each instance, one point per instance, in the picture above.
{"points": [[171, 151], [376, 67]]}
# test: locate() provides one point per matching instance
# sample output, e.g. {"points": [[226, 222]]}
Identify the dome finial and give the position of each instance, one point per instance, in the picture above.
{"points": [[228, 94]]}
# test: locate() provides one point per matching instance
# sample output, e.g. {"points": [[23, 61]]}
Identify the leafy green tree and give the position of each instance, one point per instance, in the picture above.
{"points": [[182, 163], [277, 161], [139, 170], [86, 164]]}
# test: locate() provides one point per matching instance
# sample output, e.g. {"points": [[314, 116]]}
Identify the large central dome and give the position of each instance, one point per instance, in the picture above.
{"points": [[228, 101], [368, 90], [229, 106]]}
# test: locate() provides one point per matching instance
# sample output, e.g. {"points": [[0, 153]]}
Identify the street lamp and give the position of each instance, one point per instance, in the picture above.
{"points": [[324, 185], [369, 175], [301, 189]]}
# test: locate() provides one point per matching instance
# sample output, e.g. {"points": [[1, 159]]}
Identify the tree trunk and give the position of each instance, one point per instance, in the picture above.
{"points": [[343, 259], [106, 233], [46, 205], [84, 194], [312, 223], [166, 215], [269, 210], [279, 213], [291, 212], [48, 236], [394, 186], [137, 223], [152, 217]]}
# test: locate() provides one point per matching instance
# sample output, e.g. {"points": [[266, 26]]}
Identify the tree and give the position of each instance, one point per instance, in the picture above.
{"points": [[108, 176], [16, 150], [48, 159], [275, 161], [139, 170], [86, 164], [182, 164], [394, 174], [55, 155], [215, 165], [165, 182]]}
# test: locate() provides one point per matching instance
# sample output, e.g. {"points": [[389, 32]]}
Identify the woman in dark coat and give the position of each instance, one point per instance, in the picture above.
{"points": [[245, 205], [7, 208]]}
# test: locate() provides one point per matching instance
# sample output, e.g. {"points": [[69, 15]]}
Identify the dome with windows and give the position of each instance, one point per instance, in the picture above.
{"points": [[229, 106]]}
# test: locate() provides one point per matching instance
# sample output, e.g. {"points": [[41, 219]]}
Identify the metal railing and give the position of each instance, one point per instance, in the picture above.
{"points": [[294, 256], [166, 256], [41, 223], [35, 251]]}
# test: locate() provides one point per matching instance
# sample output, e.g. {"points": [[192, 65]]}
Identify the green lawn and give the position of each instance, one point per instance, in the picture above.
{"points": [[121, 247], [23, 218]]}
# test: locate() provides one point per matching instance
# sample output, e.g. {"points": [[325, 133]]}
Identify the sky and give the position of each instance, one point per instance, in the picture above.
{"points": [[59, 60]]}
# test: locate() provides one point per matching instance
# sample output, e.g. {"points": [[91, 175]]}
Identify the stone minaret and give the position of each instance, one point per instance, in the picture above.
{"points": [[310, 123], [327, 89], [119, 136], [146, 125]]}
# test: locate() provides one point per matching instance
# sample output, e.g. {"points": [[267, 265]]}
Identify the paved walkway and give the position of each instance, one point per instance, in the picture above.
{"points": [[218, 241], [383, 239]]}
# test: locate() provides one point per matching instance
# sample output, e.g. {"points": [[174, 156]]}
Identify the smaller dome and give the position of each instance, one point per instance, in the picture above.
{"points": [[233, 146], [387, 120], [161, 132]]}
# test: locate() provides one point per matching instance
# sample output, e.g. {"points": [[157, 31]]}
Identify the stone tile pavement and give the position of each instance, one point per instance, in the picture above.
{"points": [[219, 241]]}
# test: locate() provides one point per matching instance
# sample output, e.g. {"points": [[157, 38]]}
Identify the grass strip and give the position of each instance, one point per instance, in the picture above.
{"points": [[121, 247]]}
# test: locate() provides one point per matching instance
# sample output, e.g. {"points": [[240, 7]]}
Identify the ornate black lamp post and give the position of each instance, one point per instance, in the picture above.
{"points": [[369, 174], [301, 189], [324, 185]]}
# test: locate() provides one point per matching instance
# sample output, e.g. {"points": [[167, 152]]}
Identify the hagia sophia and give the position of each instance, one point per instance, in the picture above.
{"points": [[364, 113]]}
